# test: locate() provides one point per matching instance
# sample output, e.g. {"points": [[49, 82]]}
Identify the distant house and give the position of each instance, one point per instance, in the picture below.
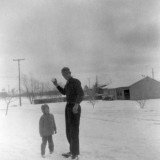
{"points": [[123, 93], [110, 93], [146, 88], [120, 93], [116, 91]]}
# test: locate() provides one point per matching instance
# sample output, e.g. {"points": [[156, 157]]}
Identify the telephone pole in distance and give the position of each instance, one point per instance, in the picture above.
{"points": [[18, 60]]}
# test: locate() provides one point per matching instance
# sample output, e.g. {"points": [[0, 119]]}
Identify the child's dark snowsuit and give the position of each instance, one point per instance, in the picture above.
{"points": [[47, 127]]}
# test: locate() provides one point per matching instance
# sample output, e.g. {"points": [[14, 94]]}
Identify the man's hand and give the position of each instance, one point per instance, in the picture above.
{"points": [[54, 81], [75, 108]]}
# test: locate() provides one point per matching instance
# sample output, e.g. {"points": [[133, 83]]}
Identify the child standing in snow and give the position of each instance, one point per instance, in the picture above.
{"points": [[47, 127]]}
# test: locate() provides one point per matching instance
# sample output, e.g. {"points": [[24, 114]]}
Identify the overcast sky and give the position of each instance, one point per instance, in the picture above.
{"points": [[113, 39]]}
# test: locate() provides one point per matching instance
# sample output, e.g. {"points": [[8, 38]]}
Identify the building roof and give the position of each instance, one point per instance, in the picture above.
{"points": [[146, 78], [118, 84], [114, 85]]}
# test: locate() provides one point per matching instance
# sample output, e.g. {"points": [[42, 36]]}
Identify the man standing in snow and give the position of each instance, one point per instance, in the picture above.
{"points": [[74, 95]]}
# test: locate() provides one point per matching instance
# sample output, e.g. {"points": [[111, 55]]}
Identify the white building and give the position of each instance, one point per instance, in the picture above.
{"points": [[146, 88]]}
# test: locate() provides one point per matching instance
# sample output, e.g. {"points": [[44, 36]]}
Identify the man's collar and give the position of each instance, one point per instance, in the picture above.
{"points": [[70, 79]]}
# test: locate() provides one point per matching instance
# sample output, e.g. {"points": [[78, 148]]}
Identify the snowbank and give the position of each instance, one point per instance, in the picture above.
{"points": [[113, 130]]}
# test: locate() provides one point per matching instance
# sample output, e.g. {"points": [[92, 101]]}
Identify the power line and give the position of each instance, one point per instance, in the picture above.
{"points": [[18, 60], [7, 77]]}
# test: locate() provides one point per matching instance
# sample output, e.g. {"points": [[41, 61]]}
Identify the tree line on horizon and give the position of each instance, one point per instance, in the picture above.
{"points": [[33, 88]]}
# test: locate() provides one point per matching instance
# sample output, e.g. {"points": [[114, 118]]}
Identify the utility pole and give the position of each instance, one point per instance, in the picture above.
{"points": [[89, 82], [18, 60], [8, 89], [152, 73], [97, 80]]}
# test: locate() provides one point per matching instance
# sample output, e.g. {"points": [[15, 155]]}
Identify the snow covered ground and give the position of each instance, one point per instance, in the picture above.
{"points": [[113, 130]]}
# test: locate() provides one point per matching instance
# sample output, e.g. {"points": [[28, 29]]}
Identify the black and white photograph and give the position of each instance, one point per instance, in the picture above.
{"points": [[79, 79]]}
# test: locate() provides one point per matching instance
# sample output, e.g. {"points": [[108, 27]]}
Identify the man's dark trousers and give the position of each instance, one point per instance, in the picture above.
{"points": [[72, 128]]}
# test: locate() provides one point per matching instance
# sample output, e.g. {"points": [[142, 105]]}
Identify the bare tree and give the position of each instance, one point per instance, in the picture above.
{"points": [[92, 95], [8, 99], [42, 89], [92, 99], [31, 86], [93, 92], [141, 103]]}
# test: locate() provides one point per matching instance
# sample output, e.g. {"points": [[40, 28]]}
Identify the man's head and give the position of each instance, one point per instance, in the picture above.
{"points": [[66, 73]]}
